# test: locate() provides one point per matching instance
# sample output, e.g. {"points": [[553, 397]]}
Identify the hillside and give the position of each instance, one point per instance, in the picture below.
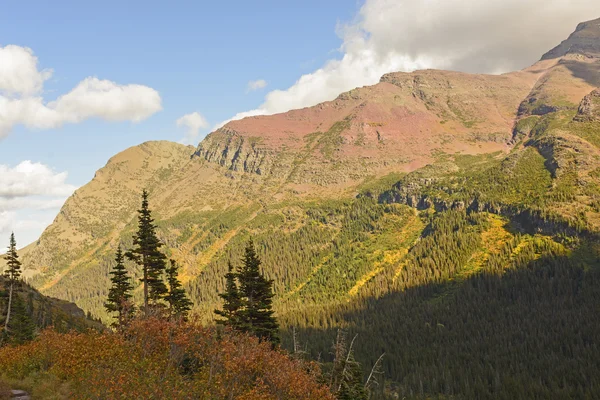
{"points": [[443, 215], [41, 311]]}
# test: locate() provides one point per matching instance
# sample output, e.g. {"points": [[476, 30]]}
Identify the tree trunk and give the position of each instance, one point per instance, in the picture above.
{"points": [[10, 294]]}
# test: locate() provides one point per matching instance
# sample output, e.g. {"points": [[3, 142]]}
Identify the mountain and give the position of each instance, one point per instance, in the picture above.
{"points": [[584, 41], [38, 311], [444, 216]]}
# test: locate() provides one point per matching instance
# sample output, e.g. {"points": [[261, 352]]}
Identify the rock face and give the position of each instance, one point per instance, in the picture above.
{"points": [[589, 109], [229, 149], [585, 41]]}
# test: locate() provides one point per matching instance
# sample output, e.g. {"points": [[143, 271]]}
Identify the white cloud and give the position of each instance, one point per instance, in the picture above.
{"points": [[192, 123], [7, 221], [21, 102], [26, 225], [19, 72], [30, 196], [255, 85], [403, 35], [93, 97], [29, 179]]}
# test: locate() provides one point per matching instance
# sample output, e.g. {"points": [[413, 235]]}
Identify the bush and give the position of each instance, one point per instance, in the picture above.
{"points": [[159, 359]]}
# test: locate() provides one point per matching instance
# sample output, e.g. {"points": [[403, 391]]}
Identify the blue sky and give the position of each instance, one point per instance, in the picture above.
{"points": [[200, 56]]}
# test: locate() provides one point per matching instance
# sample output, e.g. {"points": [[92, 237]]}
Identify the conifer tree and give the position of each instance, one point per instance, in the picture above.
{"points": [[146, 253], [232, 301], [22, 327], [179, 303], [256, 315], [12, 274], [119, 295]]}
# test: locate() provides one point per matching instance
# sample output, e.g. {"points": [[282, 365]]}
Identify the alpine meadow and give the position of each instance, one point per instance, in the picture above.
{"points": [[435, 235]]}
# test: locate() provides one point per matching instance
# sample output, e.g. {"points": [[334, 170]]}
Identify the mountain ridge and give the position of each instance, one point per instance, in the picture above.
{"points": [[395, 126], [397, 193]]}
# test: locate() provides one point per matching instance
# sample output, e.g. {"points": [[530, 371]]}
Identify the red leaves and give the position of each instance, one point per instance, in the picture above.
{"points": [[158, 359]]}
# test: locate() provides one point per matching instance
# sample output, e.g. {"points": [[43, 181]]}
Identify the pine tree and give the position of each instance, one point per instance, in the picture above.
{"points": [[12, 274], [256, 315], [232, 301], [22, 328], [119, 295], [179, 303], [147, 255]]}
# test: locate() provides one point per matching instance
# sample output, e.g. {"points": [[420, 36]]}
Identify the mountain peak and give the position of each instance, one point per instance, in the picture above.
{"points": [[585, 40]]}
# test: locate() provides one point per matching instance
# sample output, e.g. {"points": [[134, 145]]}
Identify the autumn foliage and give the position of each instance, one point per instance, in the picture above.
{"points": [[157, 359]]}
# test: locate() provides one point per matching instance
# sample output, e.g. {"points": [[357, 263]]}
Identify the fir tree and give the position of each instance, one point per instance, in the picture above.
{"points": [[146, 253], [12, 274], [119, 295], [232, 301], [256, 315], [179, 303], [22, 328]]}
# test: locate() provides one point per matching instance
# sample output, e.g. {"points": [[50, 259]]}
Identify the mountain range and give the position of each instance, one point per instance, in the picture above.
{"points": [[427, 210]]}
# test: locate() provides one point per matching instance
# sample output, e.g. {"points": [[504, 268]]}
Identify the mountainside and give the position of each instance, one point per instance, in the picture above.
{"points": [[37, 311], [445, 216]]}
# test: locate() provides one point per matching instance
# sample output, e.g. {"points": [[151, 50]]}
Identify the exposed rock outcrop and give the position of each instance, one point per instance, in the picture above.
{"points": [[589, 109], [228, 148]]}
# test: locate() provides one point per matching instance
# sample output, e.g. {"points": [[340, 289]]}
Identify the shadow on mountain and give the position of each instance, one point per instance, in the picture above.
{"points": [[530, 333], [589, 72]]}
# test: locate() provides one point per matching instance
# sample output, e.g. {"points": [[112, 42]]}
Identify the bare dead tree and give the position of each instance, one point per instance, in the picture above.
{"points": [[376, 370]]}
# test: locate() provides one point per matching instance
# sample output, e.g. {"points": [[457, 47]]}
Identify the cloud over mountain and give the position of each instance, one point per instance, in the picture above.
{"points": [[402, 35], [192, 123], [30, 195], [22, 101]]}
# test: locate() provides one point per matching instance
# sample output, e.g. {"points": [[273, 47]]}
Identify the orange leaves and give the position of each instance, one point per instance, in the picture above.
{"points": [[159, 359]]}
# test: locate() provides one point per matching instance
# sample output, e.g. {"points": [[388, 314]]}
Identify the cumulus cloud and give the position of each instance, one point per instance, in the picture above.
{"points": [[26, 226], [19, 73], [29, 179], [30, 195], [255, 85], [7, 221], [491, 36], [192, 123], [22, 103]]}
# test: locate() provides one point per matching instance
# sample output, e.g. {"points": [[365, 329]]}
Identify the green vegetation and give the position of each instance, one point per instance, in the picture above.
{"points": [[248, 304], [176, 298], [476, 275], [147, 255], [12, 275], [119, 294]]}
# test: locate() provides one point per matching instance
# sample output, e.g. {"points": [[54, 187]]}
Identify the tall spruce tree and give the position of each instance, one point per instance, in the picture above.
{"points": [[256, 315], [22, 327], [232, 301], [146, 253], [119, 295], [12, 274], [179, 303]]}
